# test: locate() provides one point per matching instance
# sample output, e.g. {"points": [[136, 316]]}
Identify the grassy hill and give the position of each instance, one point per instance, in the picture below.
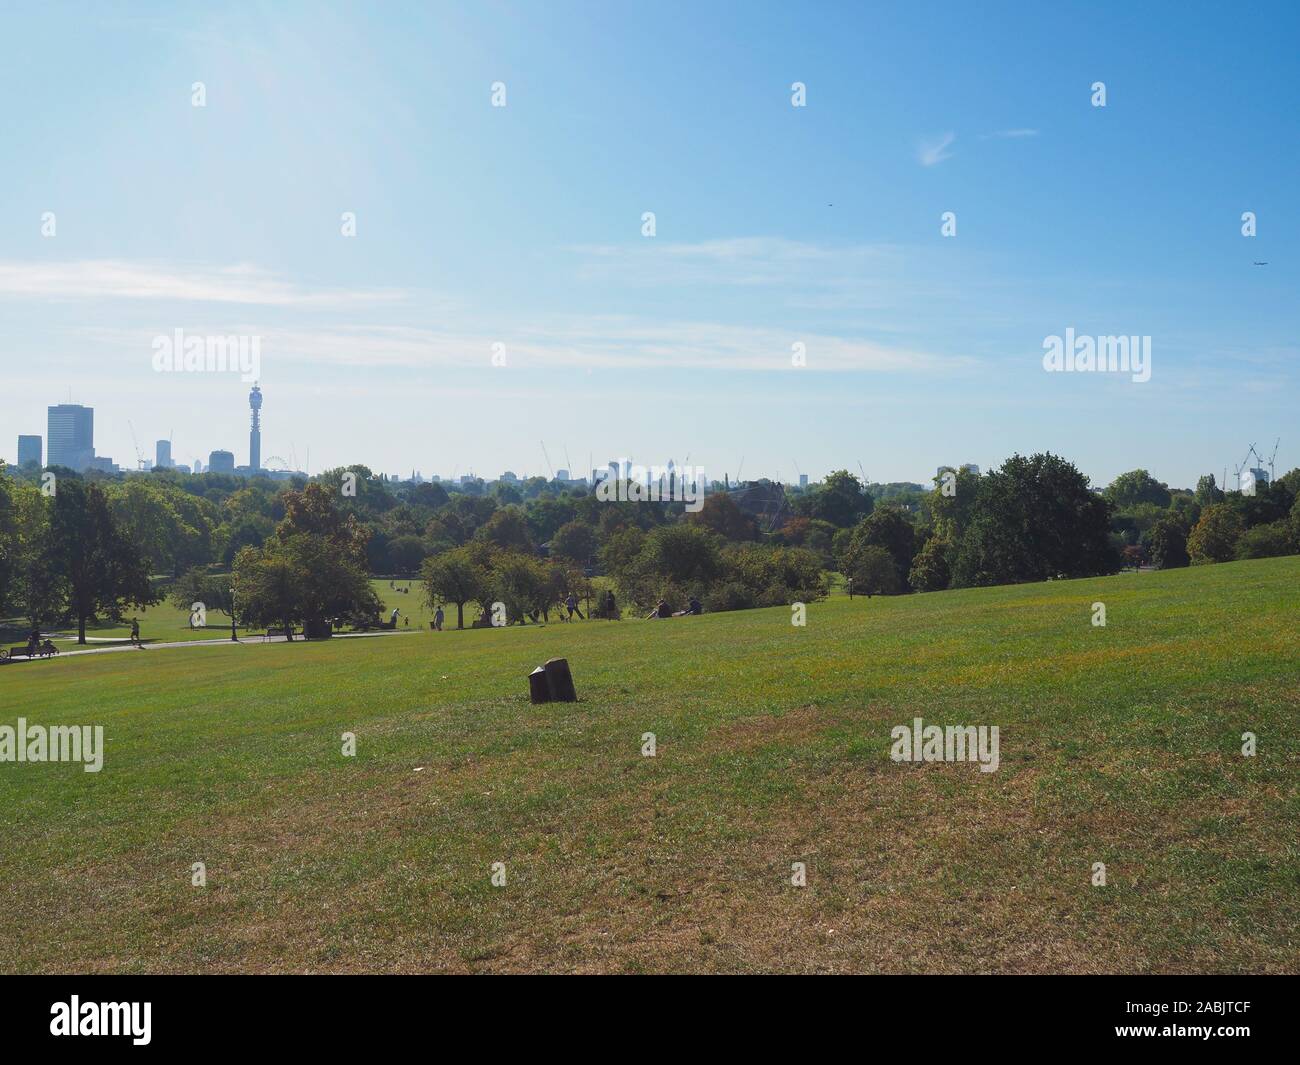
{"points": [[165, 623], [1119, 745]]}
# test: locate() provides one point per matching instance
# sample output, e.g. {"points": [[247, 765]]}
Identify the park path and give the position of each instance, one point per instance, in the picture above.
{"points": [[226, 642]]}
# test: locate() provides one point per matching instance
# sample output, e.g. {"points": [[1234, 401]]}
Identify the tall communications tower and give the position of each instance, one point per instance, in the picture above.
{"points": [[255, 436]]}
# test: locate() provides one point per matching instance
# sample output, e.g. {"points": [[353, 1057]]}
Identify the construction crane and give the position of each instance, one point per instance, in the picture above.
{"points": [[139, 455], [547, 458], [1271, 459]]}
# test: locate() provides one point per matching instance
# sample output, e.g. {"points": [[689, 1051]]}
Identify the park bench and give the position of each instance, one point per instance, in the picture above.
{"points": [[281, 631], [45, 650]]}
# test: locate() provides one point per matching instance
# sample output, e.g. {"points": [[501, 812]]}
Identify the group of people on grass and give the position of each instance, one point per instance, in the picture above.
{"points": [[663, 610]]}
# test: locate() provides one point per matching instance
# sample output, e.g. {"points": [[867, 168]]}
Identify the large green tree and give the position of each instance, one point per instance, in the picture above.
{"points": [[1034, 518], [1137, 486], [886, 527], [929, 572], [102, 569], [1168, 544], [576, 541], [266, 583], [1215, 537], [211, 591], [37, 589], [873, 571], [840, 499], [507, 530], [458, 576], [720, 514], [305, 577], [317, 510]]}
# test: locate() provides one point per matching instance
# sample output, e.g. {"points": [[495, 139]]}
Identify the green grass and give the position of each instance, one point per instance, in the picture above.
{"points": [[1118, 744], [164, 623]]}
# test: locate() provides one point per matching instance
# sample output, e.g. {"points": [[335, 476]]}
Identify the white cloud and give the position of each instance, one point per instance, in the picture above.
{"points": [[932, 152], [739, 261], [1010, 134], [590, 342], [114, 279]]}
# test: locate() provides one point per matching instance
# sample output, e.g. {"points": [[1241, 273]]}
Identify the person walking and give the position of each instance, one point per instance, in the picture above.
{"points": [[571, 603], [437, 618], [135, 633]]}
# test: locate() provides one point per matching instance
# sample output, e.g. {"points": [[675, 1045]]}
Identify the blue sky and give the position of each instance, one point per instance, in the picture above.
{"points": [[775, 225]]}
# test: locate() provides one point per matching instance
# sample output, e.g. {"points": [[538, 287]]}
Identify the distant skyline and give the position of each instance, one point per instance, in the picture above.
{"points": [[774, 226]]}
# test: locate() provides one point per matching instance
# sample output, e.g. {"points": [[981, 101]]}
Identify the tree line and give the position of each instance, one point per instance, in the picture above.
{"points": [[300, 553]]}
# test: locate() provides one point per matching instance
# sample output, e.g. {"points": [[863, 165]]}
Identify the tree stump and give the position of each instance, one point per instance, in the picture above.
{"points": [[538, 690], [560, 680]]}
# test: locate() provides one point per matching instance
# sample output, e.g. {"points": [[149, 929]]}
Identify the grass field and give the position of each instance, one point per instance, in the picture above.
{"points": [[165, 623], [1119, 745]]}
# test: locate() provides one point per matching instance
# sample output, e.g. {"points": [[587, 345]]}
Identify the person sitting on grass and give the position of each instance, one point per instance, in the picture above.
{"points": [[692, 607], [661, 610]]}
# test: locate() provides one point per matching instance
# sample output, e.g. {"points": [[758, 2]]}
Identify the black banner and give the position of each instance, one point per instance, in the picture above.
{"points": [[1204, 1015]]}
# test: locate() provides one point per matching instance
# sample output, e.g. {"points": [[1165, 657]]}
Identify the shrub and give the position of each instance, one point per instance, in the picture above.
{"points": [[1215, 537], [1266, 541], [929, 572]]}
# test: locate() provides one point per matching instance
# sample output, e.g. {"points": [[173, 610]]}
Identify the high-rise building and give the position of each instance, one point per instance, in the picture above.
{"points": [[162, 451], [221, 462], [70, 435], [255, 434], [803, 482], [29, 450]]}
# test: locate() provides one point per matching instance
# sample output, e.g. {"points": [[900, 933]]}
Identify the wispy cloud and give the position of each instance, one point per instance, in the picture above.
{"points": [[1009, 134], [734, 261], [934, 151], [601, 342], [114, 279]]}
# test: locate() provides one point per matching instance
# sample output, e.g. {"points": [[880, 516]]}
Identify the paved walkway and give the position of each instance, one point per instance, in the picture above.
{"points": [[244, 641]]}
